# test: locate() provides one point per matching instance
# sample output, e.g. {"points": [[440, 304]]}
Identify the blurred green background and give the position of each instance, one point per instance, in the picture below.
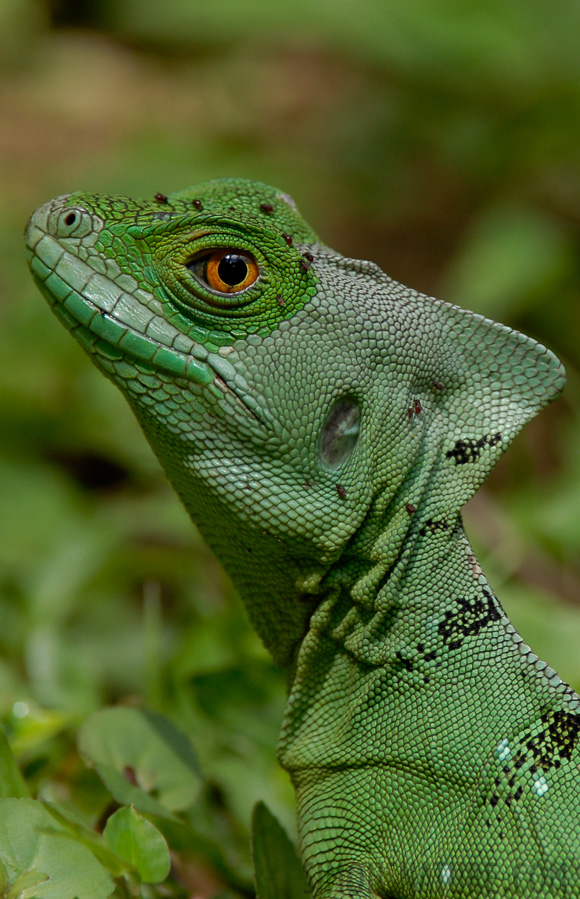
{"points": [[440, 138]]}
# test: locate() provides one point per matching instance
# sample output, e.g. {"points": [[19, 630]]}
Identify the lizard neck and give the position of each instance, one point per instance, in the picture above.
{"points": [[417, 631]]}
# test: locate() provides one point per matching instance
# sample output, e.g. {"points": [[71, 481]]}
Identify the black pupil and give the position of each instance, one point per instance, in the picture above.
{"points": [[233, 269], [70, 219]]}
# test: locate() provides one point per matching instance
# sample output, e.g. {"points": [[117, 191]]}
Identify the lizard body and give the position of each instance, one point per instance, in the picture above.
{"points": [[323, 426]]}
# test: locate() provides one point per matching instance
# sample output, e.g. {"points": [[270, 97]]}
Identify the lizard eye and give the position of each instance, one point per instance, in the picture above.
{"points": [[225, 270]]}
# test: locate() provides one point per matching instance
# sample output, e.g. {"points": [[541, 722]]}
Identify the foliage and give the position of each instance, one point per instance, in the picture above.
{"points": [[439, 139]]}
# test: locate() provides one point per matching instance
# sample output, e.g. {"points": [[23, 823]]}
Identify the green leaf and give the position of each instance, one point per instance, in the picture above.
{"points": [[40, 859], [11, 781], [142, 758], [138, 842], [277, 871], [512, 257]]}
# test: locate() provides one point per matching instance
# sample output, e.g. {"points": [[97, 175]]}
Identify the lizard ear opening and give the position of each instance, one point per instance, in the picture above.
{"points": [[490, 381]]}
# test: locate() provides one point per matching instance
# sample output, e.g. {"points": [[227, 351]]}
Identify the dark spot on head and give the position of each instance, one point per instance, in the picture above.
{"points": [[288, 238], [341, 491], [417, 408], [411, 509], [280, 299], [437, 385], [197, 204], [161, 198], [267, 208]]}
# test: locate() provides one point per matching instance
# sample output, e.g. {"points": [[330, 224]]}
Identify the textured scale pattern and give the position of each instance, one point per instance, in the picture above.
{"points": [[323, 427]]}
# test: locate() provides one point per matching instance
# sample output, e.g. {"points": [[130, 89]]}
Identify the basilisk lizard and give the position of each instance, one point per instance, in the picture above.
{"points": [[323, 426]]}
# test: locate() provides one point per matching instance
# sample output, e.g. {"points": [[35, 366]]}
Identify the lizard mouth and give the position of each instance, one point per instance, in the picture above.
{"points": [[111, 316]]}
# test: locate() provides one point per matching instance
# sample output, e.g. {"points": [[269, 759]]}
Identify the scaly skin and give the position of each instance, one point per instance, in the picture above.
{"points": [[323, 427]]}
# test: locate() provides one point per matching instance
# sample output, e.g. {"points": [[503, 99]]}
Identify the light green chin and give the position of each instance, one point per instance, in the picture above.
{"points": [[121, 316]]}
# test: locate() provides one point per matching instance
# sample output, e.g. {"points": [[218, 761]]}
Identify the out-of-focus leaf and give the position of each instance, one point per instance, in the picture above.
{"points": [[511, 256], [277, 870], [42, 860], [32, 725], [12, 783], [143, 759], [245, 700], [138, 842]]}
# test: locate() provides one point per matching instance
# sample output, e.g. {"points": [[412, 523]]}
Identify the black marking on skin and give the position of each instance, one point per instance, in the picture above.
{"points": [[434, 524], [341, 491], [468, 620], [406, 663], [280, 299], [306, 261], [267, 208], [546, 749], [469, 450], [288, 238], [555, 742], [411, 509], [198, 204], [160, 198], [437, 385]]}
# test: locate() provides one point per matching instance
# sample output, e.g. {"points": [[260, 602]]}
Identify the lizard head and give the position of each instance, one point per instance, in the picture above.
{"points": [[292, 395]]}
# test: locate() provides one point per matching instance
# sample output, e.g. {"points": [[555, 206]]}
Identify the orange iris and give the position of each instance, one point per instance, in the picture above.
{"points": [[229, 271]]}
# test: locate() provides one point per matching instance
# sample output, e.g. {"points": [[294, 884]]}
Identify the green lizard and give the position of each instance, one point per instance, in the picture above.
{"points": [[323, 426]]}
